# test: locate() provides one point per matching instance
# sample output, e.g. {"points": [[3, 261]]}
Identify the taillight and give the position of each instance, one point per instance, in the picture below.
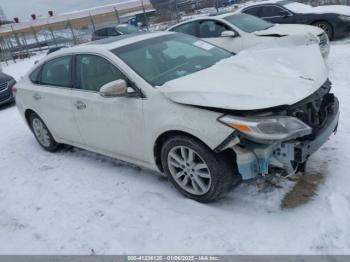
{"points": [[14, 90]]}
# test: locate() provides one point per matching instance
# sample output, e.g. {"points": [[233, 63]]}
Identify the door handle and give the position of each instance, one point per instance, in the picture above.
{"points": [[79, 105], [36, 96]]}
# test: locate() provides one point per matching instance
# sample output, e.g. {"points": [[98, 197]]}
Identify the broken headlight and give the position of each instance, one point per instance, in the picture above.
{"points": [[268, 129]]}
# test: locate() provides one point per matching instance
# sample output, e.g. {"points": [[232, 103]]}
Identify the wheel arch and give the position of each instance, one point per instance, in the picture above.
{"points": [[157, 148], [27, 113], [162, 138]]}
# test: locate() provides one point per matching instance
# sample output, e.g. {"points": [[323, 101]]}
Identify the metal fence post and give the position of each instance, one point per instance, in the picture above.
{"points": [[36, 38], [52, 34], [92, 21], [177, 12], [10, 45], [3, 50], [72, 31], [145, 15], [24, 40], [116, 14], [19, 45]]}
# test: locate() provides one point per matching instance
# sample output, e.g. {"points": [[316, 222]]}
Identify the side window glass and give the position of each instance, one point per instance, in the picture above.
{"points": [[57, 72], [102, 32], [189, 29], [92, 72], [112, 31], [252, 11], [209, 29], [271, 11]]}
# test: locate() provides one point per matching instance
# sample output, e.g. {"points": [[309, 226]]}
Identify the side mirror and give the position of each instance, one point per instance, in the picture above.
{"points": [[114, 89], [228, 34]]}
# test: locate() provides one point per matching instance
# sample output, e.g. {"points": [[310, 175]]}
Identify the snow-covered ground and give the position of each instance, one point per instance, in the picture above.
{"points": [[77, 202]]}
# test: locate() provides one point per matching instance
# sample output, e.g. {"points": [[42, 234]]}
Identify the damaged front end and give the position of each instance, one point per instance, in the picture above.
{"points": [[280, 140]]}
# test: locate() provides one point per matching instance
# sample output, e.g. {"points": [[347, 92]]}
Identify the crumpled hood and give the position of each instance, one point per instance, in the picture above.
{"points": [[288, 29], [253, 79]]}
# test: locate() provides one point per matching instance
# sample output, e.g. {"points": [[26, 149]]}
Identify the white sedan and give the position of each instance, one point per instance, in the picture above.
{"points": [[236, 32], [174, 103]]}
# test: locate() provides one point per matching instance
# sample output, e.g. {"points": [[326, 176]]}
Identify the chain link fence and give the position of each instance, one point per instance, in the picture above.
{"points": [[22, 40]]}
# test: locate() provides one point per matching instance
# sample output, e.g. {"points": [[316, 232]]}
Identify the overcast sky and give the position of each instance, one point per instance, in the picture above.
{"points": [[24, 8]]}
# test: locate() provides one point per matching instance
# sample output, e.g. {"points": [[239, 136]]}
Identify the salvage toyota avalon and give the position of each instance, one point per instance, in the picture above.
{"points": [[174, 103]]}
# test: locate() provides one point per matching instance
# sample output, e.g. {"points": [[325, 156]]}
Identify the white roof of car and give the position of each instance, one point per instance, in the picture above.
{"points": [[259, 2], [111, 42], [204, 17], [226, 14]]}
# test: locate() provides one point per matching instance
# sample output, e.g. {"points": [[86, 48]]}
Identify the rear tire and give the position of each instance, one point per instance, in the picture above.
{"points": [[42, 133], [327, 27], [195, 170]]}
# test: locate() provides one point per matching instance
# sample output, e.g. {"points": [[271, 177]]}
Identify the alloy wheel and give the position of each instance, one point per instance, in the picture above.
{"points": [[189, 170], [41, 132]]}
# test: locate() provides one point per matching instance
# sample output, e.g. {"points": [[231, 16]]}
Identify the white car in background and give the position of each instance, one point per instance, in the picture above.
{"points": [[176, 104], [236, 32]]}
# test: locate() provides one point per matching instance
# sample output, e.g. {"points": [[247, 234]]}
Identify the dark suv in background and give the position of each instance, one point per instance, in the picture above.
{"points": [[122, 29], [6, 84]]}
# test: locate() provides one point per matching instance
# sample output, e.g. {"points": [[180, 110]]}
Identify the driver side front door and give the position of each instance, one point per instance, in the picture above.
{"points": [[111, 125]]}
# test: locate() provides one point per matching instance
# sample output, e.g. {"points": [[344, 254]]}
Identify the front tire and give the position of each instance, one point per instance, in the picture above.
{"points": [[195, 170], [42, 133]]}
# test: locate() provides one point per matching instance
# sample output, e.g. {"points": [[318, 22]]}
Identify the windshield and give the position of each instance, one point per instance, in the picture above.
{"points": [[127, 29], [248, 23], [161, 59]]}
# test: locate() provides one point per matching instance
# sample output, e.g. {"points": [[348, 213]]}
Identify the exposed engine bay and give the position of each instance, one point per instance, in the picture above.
{"points": [[320, 112]]}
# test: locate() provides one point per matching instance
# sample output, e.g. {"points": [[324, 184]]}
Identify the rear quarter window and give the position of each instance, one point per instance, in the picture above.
{"points": [[34, 76]]}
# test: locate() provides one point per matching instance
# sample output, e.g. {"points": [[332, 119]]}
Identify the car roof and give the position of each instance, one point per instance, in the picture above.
{"points": [[259, 2], [209, 17], [111, 43]]}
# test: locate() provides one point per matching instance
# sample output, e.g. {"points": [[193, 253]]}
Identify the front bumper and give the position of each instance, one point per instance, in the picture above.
{"points": [[306, 148], [258, 159], [300, 151]]}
